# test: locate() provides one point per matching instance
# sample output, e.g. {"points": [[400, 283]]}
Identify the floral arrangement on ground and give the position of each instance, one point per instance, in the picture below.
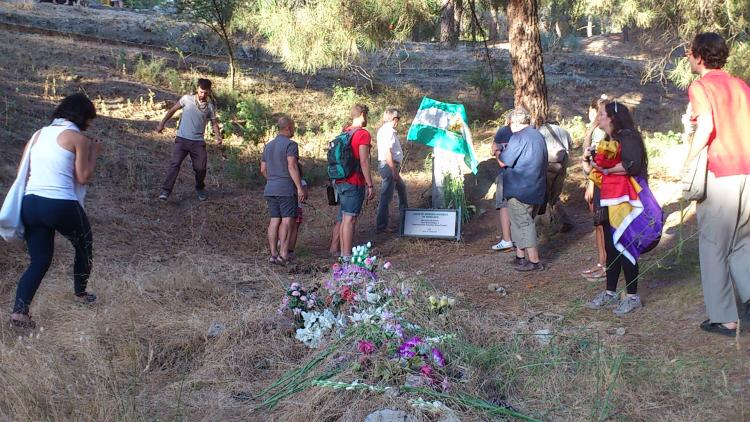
{"points": [[379, 333]]}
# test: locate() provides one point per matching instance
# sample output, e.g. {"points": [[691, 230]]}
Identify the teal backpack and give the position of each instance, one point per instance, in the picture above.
{"points": [[341, 160]]}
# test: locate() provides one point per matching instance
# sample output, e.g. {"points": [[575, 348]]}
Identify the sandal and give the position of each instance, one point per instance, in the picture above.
{"points": [[594, 273], [718, 328], [25, 323], [278, 260], [85, 298]]}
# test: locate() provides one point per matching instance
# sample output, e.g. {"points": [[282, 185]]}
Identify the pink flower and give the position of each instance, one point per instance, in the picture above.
{"points": [[295, 293], [426, 370], [303, 298], [295, 286], [366, 347], [368, 261], [387, 265]]}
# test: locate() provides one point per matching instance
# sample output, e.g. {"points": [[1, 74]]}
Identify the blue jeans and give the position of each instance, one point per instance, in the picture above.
{"points": [[42, 217], [386, 194], [351, 198]]}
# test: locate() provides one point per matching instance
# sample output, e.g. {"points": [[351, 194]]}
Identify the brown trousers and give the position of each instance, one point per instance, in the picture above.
{"points": [[198, 156]]}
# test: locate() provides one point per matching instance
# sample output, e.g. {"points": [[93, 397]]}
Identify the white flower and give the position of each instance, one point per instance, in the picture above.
{"points": [[371, 296], [327, 320], [369, 244], [364, 316]]}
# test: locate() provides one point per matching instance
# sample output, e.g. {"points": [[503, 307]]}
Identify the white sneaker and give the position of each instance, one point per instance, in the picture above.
{"points": [[502, 246]]}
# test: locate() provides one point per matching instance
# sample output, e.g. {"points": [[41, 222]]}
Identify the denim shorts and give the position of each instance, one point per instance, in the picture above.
{"points": [[351, 198]]}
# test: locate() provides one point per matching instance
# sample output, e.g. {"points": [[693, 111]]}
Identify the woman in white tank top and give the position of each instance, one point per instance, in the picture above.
{"points": [[62, 162]]}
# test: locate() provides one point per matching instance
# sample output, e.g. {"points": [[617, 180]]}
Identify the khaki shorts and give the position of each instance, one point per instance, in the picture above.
{"points": [[522, 226]]}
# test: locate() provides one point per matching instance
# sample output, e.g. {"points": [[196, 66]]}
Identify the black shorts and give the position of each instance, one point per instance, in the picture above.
{"points": [[282, 206]]}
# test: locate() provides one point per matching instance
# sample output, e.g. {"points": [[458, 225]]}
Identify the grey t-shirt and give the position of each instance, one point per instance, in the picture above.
{"points": [[558, 145], [275, 153], [194, 118]]}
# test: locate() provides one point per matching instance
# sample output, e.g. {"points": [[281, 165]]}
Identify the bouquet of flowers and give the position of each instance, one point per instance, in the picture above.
{"points": [[298, 300], [361, 256], [418, 354]]}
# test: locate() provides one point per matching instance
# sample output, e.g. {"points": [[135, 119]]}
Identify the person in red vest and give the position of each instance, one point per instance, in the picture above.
{"points": [[720, 105]]}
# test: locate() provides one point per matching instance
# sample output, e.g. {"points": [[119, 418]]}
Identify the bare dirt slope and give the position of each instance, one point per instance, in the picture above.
{"points": [[167, 272]]}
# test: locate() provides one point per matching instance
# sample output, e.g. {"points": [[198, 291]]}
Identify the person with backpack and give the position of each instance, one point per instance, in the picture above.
{"points": [[635, 219], [558, 152], [349, 170], [59, 161]]}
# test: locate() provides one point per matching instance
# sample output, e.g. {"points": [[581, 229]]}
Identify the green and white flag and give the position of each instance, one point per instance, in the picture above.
{"points": [[444, 126]]}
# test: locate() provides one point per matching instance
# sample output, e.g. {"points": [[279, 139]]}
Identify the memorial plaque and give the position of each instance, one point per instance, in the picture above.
{"points": [[431, 223]]}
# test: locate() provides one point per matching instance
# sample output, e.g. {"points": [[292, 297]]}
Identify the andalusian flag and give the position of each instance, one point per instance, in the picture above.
{"points": [[443, 125]]}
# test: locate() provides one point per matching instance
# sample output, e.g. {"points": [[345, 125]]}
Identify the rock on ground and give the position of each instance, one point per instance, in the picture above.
{"points": [[389, 415]]}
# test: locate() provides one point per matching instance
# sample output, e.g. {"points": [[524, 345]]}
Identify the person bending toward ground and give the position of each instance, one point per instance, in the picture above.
{"points": [[592, 195], [720, 106], [502, 137], [390, 156], [524, 164], [616, 121], [197, 110], [62, 160], [353, 190], [558, 152], [283, 191]]}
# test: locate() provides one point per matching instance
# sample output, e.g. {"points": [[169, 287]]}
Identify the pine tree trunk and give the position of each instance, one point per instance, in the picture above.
{"points": [[459, 15], [526, 58], [233, 66], [493, 24], [447, 24]]}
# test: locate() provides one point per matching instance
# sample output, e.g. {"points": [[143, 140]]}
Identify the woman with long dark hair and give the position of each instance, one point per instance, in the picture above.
{"points": [[618, 162], [62, 162]]}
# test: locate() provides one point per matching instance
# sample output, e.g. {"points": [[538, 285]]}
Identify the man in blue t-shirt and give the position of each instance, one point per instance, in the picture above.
{"points": [[498, 145], [524, 163]]}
